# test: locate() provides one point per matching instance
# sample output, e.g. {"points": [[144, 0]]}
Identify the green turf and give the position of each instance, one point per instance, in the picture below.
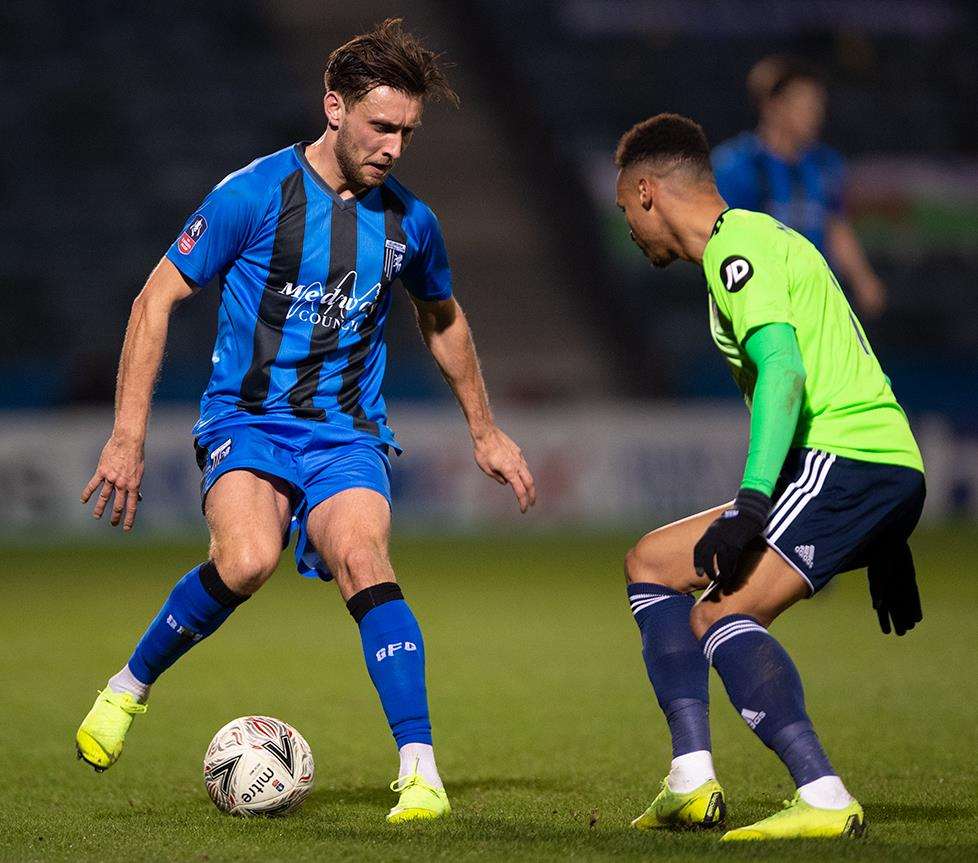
{"points": [[548, 736]]}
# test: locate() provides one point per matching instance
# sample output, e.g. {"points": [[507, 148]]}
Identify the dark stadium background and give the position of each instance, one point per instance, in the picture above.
{"points": [[119, 117]]}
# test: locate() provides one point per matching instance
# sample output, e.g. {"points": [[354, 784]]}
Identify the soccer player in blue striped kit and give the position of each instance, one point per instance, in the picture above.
{"points": [[307, 244]]}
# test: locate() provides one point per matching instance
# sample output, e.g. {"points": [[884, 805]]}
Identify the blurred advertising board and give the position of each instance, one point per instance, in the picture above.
{"points": [[599, 466]]}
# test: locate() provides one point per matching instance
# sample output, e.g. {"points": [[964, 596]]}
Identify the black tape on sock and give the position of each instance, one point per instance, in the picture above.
{"points": [[370, 597], [215, 586]]}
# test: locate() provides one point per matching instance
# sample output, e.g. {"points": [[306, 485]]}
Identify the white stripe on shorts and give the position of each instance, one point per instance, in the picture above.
{"points": [[795, 489], [821, 474]]}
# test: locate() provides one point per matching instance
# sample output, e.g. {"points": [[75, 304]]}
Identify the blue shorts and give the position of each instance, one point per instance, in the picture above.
{"points": [[317, 460], [830, 513]]}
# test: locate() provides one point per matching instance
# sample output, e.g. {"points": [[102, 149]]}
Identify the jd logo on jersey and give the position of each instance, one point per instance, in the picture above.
{"points": [[735, 272]]}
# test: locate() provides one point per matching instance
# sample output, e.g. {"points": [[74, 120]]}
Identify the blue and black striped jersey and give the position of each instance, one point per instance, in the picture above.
{"points": [[803, 195], [305, 289]]}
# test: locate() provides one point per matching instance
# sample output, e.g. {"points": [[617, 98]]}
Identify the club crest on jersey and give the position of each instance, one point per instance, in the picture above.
{"points": [[393, 258], [735, 272], [193, 232]]}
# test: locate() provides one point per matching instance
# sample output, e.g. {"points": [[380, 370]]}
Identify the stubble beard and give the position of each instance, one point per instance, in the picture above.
{"points": [[350, 168]]}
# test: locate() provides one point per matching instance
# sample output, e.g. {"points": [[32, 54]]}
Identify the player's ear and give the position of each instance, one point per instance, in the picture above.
{"points": [[334, 109], [645, 193]]}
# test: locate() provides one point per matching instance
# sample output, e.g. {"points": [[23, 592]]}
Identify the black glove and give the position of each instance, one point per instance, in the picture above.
{"points": [[893, 588], [727, 537]]}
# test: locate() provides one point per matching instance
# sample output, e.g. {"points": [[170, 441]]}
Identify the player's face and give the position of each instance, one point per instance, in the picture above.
{"points": [[645, 224], [373, 133], [800, 109]]}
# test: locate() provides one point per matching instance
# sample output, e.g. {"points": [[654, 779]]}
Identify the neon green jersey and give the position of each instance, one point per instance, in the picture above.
{"points": [[760, 272]]}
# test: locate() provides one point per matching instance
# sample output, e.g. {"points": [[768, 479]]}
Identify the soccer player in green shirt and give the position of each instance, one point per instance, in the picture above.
{"points": [[833, 482]]}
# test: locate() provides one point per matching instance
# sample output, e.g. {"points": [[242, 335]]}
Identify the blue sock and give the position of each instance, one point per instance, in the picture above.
{"points": [[764, 686], [675, 663], [394, 651], [198, 604]]}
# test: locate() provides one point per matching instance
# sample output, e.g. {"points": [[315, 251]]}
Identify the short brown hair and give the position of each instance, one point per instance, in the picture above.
{"points": [[771, 75], [666, 141], [387, 56]]}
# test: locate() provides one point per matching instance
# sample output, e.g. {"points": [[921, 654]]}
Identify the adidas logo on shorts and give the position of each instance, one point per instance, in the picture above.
{"points": [[807, 554], [753, 717]]}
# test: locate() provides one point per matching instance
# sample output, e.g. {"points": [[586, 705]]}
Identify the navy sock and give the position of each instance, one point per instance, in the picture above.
{"points": [[764, 686], [394, 651], [198, 604], [675, 663]]}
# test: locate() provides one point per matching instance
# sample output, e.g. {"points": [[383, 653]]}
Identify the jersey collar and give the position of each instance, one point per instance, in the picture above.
{"points": [[719, 222], [344, 203]]}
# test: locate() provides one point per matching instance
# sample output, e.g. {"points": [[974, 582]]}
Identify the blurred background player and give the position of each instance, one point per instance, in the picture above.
{"points": [[307, 243], [833, 482], [782, 168]]}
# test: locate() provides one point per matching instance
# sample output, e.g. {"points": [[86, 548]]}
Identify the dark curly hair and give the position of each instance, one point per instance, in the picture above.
{"points": [[387, 56], [666, 141]]}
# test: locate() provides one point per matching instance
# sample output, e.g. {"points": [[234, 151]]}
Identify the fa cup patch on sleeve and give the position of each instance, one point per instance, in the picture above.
{"points": [[735, 272], [195, 230]]}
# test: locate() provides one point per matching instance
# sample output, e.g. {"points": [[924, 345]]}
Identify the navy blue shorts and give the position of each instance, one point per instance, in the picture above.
{"points": [[830, 512], [317, 460]]}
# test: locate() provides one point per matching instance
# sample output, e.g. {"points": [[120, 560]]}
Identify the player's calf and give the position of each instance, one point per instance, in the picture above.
{"points": [[393, 648], [198, 604], [660, 577], [765, 688]]}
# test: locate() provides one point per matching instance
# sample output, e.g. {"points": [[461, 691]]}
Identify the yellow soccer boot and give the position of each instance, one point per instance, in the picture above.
{"points": [[418, 800], [799, 820], [702, 807], [100, 737]]}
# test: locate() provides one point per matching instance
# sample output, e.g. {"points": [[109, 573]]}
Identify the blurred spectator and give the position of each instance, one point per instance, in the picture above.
{"points": [[783, 169]]}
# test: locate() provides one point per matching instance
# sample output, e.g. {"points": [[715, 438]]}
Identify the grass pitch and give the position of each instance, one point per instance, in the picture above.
{"points": [[548, 736]]}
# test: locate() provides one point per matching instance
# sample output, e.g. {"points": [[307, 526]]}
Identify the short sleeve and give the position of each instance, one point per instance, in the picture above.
{"points": [[427, 275], [214, 235], [750, 283]]}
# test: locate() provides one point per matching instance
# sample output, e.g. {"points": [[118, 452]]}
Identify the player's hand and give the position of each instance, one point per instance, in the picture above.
{"points": [[718, 552], [893, 589], [499, 457], [120, 470], [871, 296]]}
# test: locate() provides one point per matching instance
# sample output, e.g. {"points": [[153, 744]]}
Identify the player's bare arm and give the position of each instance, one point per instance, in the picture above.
{"points": [[847, 254], [120, 466], [446, 332]]}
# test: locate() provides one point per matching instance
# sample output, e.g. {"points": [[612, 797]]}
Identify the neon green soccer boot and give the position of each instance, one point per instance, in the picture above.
{"points": [[702, 807], [799, 820], [100, 737], [418, 800]]}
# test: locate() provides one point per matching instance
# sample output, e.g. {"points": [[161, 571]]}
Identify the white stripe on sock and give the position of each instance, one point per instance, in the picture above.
{"points": [[727, 627], [755, 628], [639, 606]]}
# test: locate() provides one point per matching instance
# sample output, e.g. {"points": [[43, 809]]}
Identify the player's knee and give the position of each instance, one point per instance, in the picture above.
{"points": [[245, 567], [704, 615], [363, 565], [643, 567], [635, 569]]}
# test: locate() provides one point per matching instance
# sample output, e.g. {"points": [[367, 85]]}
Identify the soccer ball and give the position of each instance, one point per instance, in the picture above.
{"points": [[257, 765]]}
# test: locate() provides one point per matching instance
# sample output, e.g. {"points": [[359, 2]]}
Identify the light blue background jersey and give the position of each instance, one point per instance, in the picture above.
{"points": [[305, 290], [802, 195]]}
